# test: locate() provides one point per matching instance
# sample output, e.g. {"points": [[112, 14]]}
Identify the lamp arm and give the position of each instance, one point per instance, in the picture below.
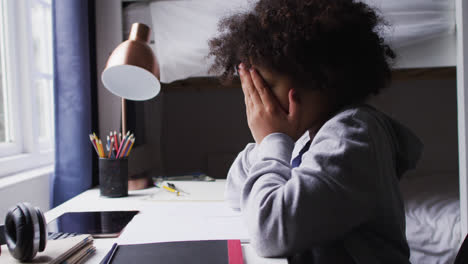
{"points": [[124, 117]]}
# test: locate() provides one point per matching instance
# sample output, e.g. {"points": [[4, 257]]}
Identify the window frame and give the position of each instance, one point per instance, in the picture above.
{"points": [[9, 80], [26, 151], [44, 145]]}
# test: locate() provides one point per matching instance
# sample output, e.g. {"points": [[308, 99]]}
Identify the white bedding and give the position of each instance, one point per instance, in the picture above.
{"points": [[182, 28], [432, 218], [416, 20]]}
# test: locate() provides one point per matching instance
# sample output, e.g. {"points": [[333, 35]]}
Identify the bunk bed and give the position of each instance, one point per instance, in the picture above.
{"points": [[427, 35], [183, 28]]}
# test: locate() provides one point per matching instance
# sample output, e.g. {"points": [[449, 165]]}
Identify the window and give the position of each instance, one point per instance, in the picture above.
{"points": [[41, 39], [26, 85], [4, 135]]}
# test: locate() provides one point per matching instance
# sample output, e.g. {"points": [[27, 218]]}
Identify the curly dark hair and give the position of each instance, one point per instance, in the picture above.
{"points": [[322, 44]]}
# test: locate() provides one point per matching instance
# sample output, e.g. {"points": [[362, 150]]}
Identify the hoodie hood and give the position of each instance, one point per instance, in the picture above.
{"points": [[408, 147]]}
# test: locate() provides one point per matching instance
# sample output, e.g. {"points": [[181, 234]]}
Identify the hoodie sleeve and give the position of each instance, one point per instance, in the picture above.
{"points": [[238, 174], [333, 191]]}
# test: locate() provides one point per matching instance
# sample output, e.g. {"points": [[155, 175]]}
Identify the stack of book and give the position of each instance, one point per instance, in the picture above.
{"points": [[70, 250]]}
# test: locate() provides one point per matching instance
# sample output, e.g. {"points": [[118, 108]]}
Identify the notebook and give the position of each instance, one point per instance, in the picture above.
{"points": [[72, 250], [194, 252]]}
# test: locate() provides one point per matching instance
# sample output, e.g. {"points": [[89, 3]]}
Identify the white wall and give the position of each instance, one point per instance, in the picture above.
{"points": [[32, 187]]}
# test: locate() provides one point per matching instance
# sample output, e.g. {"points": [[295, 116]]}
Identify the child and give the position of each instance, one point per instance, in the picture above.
{"points": [[320, 183]]}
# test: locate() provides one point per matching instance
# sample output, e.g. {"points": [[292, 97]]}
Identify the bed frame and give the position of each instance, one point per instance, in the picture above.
{"points": [[462, 101], [444, 53]]}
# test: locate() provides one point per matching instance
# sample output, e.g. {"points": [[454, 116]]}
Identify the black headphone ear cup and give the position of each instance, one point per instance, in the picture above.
{"points": [[14, 220], [33, 236], [22, 232], [42, 229], [17, 227]]}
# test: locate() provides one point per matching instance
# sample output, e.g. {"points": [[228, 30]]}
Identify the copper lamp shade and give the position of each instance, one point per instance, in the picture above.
{"points": [[132, 71]]}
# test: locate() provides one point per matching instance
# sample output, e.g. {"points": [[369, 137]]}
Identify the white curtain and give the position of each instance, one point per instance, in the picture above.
{"points": [[183, 27]]}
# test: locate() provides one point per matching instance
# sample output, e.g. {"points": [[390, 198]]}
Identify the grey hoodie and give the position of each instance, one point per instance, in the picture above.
{"points": [[342, 204]]}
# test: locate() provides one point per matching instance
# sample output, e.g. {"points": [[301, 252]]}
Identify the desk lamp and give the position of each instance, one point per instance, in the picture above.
{"points": [[132, 71]]}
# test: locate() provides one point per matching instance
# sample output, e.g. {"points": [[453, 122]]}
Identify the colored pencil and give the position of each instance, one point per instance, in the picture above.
{"points": [[122, 143], [97, 146], [126, 146], [96, 140], [130, 148], [111, 148], [101, 149], [94, 143], [115, 141]]}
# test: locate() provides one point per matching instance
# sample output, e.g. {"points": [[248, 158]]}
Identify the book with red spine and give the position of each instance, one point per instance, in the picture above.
{"points": [[194, 252]]}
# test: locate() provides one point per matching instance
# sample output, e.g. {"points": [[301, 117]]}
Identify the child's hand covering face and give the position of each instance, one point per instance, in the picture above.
{"points": [[264, 113]]}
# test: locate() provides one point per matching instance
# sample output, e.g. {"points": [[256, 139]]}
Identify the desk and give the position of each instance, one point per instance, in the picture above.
{"points": [[139, 200]]}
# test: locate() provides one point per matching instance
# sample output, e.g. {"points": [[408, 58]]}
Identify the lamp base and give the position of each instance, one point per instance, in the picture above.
{"points": [[138, 184]]}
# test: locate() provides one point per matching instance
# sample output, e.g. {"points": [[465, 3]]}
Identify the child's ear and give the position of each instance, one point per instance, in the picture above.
{"points": [[295, 95]]}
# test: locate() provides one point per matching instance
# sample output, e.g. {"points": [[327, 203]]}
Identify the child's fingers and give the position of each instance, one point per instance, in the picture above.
{"points": [[248, 112], [248, 87], [243, 85], [247, 101], [264, 92]]}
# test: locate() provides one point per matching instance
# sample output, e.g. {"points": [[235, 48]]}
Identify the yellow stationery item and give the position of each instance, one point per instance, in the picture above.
{"points": [[170, 189]]}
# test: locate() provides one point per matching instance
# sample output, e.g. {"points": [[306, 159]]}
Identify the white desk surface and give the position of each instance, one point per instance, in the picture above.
{"points": [[194, 221]]}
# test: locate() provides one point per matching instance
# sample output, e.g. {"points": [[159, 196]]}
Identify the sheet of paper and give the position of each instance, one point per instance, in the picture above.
{"points": [[194, 191], [185, 221]]}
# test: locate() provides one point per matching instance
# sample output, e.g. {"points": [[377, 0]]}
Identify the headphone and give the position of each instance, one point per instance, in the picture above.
{"points": [[25, 231]]}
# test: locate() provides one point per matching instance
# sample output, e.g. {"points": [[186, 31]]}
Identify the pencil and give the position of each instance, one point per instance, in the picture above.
{"points": [[96, 140], [94, 143], [102, 149], [97, 146], [130, 148], [115, 141], [122, 143], [125, 146], [130, 142], [111, 148]]}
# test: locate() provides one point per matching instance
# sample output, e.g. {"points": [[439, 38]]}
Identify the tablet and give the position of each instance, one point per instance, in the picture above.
{"points": [[98, 224]]}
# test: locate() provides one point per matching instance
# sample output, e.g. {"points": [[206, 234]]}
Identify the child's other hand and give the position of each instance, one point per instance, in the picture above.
{"points": [[264, 113]]}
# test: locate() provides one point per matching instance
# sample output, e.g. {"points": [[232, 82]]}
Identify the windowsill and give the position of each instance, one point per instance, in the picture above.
{"points": [[23, 163], [25, 176]]}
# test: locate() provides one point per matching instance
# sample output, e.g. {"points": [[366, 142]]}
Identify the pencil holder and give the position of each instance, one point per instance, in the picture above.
{"points": [[113, 177]]}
